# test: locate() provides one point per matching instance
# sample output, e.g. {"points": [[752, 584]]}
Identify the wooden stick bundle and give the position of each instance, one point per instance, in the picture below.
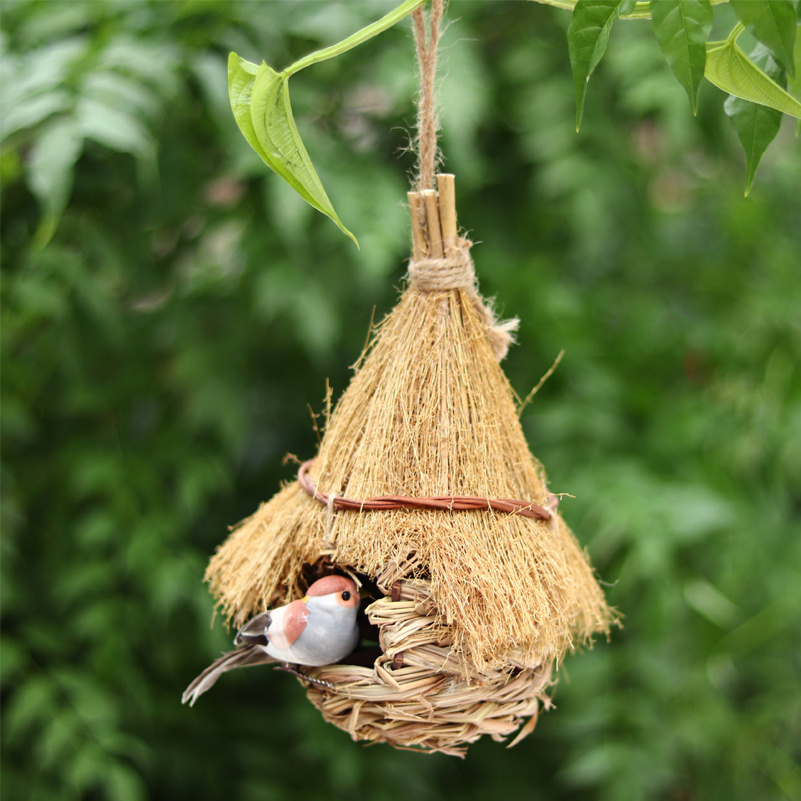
{"points": [[434, 227]]}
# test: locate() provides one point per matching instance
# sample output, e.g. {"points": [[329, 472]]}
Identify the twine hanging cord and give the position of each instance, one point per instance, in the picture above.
{"points": [[426, 44], [445, 503]]}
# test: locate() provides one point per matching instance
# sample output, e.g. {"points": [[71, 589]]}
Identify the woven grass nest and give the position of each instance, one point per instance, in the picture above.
{"points": [[470, 610]]}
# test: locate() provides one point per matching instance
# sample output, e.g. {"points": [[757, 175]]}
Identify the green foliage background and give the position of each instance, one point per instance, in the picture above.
{"points": [[160, 350]]}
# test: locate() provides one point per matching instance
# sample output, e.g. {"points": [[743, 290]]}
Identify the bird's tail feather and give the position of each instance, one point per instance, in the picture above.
{"points": [[241, 657]]}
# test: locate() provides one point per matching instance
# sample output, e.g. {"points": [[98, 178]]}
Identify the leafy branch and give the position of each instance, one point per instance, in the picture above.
{"points": [[260, 102], [755, 82], [58, 97]]}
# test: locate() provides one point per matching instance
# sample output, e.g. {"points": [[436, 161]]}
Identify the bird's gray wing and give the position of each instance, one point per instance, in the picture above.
{"points": [[245, 656], [254, 632]]}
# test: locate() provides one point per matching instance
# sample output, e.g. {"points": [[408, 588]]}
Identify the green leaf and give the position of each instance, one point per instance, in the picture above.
{"points": [[587, 39], [262, 109], [756, 125], [241, 77], [682, 27], [773, 22], [260, 102], [728, 68], [639, 10], [794, 83]]}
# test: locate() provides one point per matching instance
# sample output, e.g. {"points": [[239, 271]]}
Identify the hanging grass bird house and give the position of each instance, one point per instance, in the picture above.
{"points": [[425, 492]]}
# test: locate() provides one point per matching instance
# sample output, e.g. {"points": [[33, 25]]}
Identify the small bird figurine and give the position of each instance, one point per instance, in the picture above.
{"points": [[319, 629]]}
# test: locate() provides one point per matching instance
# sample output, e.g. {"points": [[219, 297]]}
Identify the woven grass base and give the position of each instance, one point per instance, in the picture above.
{"points": [[420, 694]]}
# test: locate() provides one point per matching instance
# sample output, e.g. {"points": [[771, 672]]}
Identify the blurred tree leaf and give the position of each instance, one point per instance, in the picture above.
{"points": [[32, 110], [14, 659], [33, 83], [587, 40], [682, 28], [710, 602], [86, 768], [34, 697], [59, 95], [123, 783], [58, 741], [756, 125], [50, 164], [114, 128], [728, 68], [774, 23]]}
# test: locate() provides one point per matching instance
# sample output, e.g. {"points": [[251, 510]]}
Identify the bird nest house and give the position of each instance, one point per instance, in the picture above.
{"points": [[425, 490]]}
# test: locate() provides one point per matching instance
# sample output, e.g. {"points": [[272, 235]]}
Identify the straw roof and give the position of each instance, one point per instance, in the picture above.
{"points": [[428, 412]]}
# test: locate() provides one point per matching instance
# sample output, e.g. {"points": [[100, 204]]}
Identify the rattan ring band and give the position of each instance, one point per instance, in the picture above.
{"points": [[447, 503]]}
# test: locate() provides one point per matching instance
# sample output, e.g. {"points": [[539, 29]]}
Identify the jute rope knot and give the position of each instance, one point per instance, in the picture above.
{"points": [[456, 271]]}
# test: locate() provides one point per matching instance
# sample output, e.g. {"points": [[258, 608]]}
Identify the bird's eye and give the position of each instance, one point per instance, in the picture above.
{"points": [[345, 595]]}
